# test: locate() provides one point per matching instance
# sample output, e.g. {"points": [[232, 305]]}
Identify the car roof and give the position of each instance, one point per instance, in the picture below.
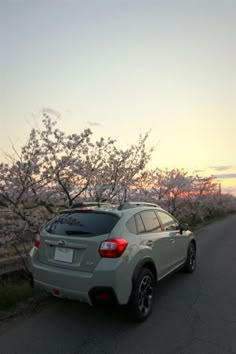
{"points": [[118, 209]]}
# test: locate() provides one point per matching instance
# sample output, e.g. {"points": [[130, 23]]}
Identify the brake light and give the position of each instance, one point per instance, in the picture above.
{"points": [[113, 248], [37, 240]]}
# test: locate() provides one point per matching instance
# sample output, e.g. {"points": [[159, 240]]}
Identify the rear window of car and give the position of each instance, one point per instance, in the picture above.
{"points": [[83, 223]]}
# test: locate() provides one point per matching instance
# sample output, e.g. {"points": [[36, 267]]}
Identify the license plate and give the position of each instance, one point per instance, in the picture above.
{"points": [[64, 254]]}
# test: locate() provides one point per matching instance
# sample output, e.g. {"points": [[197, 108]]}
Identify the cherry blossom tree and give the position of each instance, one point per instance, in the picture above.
{"points": [[190, 198], [118, 171], [165, 186], [54, 170]]}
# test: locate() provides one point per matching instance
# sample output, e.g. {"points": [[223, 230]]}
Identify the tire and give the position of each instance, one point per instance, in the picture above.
{"points": [[190, 264], [141, 300]]}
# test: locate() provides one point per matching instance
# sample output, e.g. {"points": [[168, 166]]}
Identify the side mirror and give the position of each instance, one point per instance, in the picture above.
{"points": [[183, 227]]}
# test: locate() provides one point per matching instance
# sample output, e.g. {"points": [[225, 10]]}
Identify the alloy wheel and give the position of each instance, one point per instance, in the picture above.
{"points": [[145, 295]]}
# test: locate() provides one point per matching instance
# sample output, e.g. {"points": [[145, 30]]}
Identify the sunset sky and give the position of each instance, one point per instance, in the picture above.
{"points": [[123, 68]]}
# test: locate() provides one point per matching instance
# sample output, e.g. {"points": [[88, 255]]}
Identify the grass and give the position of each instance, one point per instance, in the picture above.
{"points": [[18, 297], [209, 221], [11, 293]]}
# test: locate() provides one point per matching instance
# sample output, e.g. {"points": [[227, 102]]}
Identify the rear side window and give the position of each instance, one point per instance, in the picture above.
{"points": [[131, 225], [150, 221], [139, 223], [85, 224]]}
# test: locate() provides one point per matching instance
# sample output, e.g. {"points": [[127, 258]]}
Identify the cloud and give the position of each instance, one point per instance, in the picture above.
{"points": [[221, 168], [51, 111], [94, 124], [226, 175], [198, 171]]}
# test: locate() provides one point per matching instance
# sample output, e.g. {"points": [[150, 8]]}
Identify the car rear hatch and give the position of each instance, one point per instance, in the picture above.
{"points": [[72, 239]]}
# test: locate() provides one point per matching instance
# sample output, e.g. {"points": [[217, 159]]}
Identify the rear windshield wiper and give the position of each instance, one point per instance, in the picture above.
{"points": [[77, 232]]}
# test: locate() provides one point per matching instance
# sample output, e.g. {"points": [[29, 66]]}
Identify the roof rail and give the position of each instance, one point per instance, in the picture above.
{"points": [[128, 205], [82, 205]]}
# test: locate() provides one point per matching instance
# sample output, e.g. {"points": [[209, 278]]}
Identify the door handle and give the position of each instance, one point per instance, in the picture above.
{"points": [[172, 240], [149, 243]]}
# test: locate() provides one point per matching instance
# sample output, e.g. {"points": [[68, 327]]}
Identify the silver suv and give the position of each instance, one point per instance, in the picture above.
{"points": [[104, 253]]}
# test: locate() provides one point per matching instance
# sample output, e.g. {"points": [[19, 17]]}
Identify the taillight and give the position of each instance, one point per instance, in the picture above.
{"points": [[37, 240], [113, 248]]}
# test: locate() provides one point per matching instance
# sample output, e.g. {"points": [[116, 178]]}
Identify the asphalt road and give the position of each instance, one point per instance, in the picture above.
{"points": [[193, 314]]}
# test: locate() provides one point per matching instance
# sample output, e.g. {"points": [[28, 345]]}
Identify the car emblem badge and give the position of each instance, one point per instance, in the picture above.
{"points": [[61, 243]]}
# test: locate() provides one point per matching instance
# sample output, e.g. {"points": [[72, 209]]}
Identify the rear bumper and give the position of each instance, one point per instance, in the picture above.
{"points": [[83, 286], [59, 291]]}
